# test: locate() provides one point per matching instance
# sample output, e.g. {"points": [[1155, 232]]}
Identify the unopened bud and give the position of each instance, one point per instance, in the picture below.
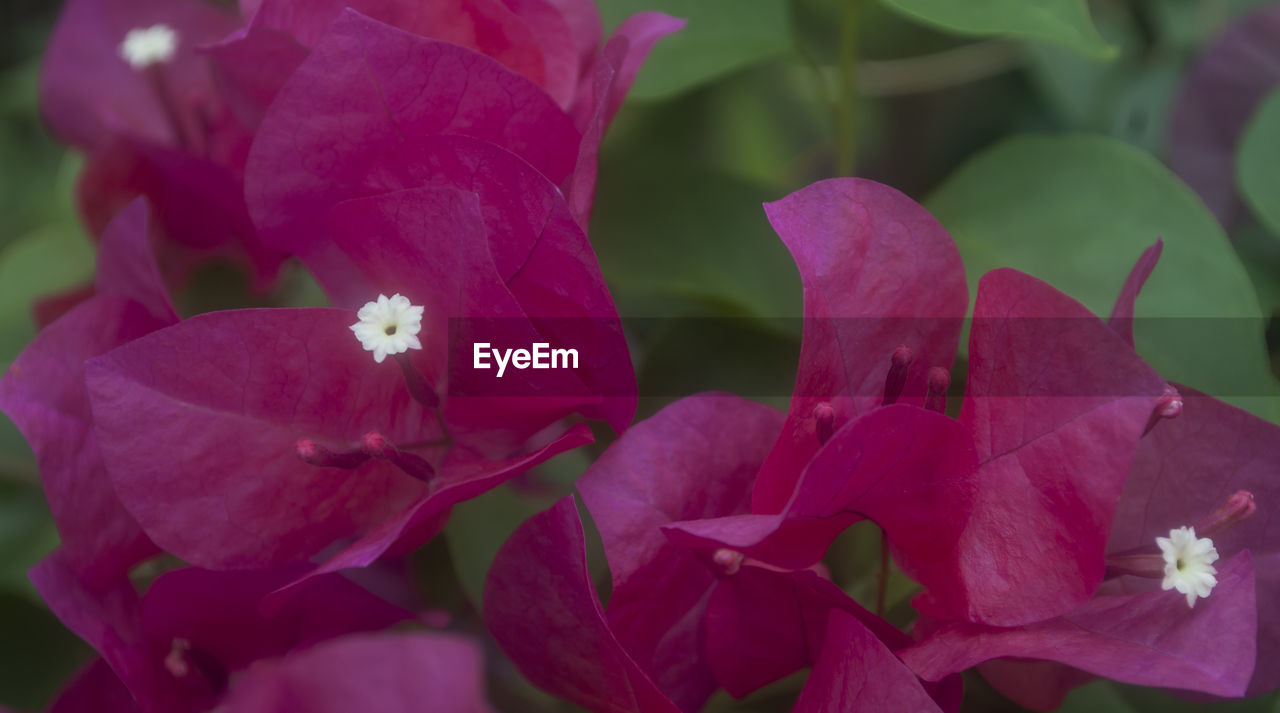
{"points": [[376, 445], [313, 453], [729, 561], [1170, 403], [1168, 406], [896, 379], [1238, 507], [936, 397], [175, 662], [824, 417]]}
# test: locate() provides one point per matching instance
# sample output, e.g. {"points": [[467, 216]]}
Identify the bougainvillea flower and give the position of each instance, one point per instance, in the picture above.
{"points": [[43, 392], [389, 673], [1196, 451], [565, 645], [763, 624], [177, 647], [351, 119], [879, 273], [1185, 469], [856, 672], [1083, 415], [1056, 402], [694, 459], [124, 81], [551, 44], [1148, 638], [1219, 95], [695, 618], [541, 607], [295, 438], [95, 688]]}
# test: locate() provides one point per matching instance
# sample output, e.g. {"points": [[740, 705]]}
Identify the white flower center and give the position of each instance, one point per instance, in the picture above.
{"points": [[145, 46], [1188, 563], [388, 326]]}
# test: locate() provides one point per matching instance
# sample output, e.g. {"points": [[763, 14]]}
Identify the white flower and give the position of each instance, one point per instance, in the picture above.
{"points": [[145, 46], [1188, 563], [388, 326]]}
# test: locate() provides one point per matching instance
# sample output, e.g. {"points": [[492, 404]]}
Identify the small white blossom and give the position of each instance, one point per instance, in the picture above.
{"points": [[388, 326], [1188, 563], [145, 46]]}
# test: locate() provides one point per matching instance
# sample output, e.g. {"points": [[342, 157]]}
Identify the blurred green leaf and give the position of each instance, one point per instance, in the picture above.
{"points": [[691, 232], [1259, 250], [1077, 211], [17, 462], [27, 534], [1186, 24], [29, 196], [40, 263], [721, 36], [1096, 696], [1156, 700], [54, 257], [1063, 22], [1258, 162], [39, 655], [478, 527]]}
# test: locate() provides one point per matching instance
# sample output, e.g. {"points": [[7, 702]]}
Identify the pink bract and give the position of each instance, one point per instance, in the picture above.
{"points": [[43, 392]]}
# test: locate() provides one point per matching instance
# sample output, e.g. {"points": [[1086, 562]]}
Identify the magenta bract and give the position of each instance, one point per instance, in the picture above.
{"points": [[176, 647], [156, 127], [1056, 402], [857, 673], [694, 459], [1193, 451], [563, 644], [1149, 638], [879, 272], [243, 391], [389, 673], [348, 122], [83, 69], [43, 392], [1183, 470]]}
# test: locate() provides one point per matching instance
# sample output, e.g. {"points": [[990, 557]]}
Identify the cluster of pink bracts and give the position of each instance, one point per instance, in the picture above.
{"points": [[445, 151]]}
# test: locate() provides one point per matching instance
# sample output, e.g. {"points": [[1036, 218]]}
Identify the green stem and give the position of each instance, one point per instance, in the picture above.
{"points": [[847, 65]]}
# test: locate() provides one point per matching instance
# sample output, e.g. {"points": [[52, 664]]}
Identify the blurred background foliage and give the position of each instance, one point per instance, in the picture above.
{"points": [[1034, 129]]}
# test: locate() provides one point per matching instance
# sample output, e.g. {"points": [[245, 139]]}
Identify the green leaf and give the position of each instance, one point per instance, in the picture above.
{"points": [[681, 230], [1258, 162], [43, 262], [52, 258], [1062, 22], [476, 530], [27, 534], [721, 36], [40, 656], [478, 527], [1259, 250], [1155, 700], [29, 196], [1186, 24], [1077, 211], [1096, 696]]}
